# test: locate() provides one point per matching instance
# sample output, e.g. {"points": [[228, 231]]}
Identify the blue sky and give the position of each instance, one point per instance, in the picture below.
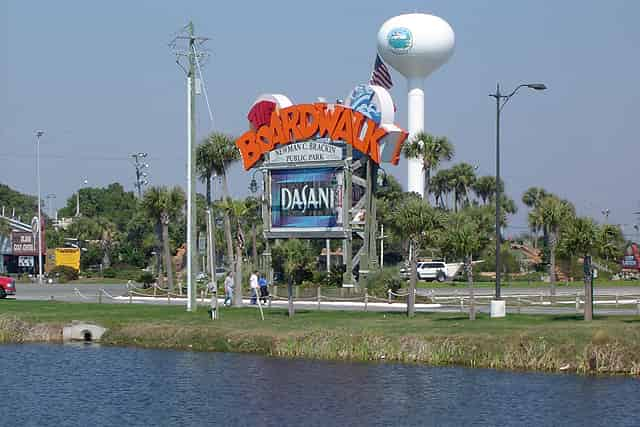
{"points": [[100, 79]]}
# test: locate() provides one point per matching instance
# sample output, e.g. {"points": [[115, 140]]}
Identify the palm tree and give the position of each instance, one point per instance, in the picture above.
{"points": [[421, 225], [108, 240], [432, 150], [441, 186], [533, 196], [582, 236], [485, 188], [551, 214], [464, 238], [236, 211], [164, 205], [253, 219], [463, 176], [611, 242], [297, 260], [217, 155]]}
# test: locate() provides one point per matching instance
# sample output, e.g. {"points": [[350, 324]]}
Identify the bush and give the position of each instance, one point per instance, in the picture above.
{"points": [[146, 279], [383, 280], [64, 273], [109, 273]]}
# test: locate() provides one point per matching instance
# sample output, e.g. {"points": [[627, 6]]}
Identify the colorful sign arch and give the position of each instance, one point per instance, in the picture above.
{"points": [[276, 122]]}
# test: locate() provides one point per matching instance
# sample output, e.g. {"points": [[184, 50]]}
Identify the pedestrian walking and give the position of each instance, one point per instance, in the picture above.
{"points": [[264, 289], [253, 284], [228, 289]]}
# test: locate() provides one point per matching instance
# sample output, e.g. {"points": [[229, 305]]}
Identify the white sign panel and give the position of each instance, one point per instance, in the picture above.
{"points": [[307, 151], [25, 261]]}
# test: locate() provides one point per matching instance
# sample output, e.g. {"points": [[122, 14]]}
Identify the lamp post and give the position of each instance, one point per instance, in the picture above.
{"points": [[84, 182], [497, 305], [39, 134]]}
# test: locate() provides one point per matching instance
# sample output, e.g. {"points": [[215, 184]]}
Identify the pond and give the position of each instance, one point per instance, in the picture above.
{"points": [[90, 385]]}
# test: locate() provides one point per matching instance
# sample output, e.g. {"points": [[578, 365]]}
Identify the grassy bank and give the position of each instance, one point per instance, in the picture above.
{"points": [[521, 342]]}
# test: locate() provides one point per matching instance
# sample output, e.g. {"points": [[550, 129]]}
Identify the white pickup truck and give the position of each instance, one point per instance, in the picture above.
{"points": [[434, 270]]}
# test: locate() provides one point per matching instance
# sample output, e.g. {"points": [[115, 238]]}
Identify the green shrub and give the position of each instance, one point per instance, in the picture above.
{"points": [[146, 279], [109, 273], [382, 280], [64, 273]]}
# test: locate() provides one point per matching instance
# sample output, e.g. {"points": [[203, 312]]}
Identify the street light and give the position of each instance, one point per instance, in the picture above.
{"points": [[85, 182], [501, 101], [39, 134]]}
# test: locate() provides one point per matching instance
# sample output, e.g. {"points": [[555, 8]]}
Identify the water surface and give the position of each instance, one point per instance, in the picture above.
{"points": [[89, 385]]}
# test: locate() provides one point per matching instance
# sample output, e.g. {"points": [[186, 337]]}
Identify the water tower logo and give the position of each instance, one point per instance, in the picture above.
{"points": [[400, 40]]}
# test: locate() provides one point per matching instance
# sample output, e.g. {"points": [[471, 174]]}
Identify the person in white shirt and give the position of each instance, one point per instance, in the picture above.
{"points": [[228, 289], [253, 283]]}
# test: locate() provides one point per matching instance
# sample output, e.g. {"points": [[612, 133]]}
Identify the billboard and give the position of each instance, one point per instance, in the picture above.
{"points": [[308, 199], [25, 243], [69, 257]]}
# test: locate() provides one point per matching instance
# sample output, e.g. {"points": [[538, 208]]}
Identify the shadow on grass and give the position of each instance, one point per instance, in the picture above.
{"points": [[567, 317]]}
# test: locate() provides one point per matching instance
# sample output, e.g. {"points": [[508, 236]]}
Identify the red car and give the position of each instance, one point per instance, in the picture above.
{"points": [[7, 286]]}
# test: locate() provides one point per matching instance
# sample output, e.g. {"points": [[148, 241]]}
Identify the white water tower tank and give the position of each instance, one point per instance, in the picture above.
{"points": [[415, 45]]}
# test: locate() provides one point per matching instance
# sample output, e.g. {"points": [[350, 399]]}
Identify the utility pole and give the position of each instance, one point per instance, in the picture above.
{"points": [[141, 175], [188, 35], [39, 133]]}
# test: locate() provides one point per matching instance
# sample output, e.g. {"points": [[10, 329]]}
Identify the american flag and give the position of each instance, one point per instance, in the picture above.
{"points": [[380, 75]]}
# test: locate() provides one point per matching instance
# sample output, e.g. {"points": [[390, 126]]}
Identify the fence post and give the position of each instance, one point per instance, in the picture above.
{"points": [[616, 299], [130, 297], [155, 290], [366, 299], [275, 291], [168, 297], [269, 303], [99, 297], [577, 303], [202, 292], [296, 293], [389, 295], [461, 304], [318, 296], [519, 305], [541, 297]]}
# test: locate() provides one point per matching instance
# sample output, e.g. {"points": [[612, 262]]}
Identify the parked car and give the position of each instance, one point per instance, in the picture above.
{"points": [[221, 272], [7, 286], [433, 270]]}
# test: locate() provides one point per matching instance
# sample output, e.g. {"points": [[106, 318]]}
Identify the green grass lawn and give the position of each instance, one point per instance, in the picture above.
{"points": [[277, 322]]}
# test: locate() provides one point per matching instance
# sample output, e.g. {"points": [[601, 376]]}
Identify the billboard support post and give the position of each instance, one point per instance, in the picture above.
{"points": [[347, 278]]}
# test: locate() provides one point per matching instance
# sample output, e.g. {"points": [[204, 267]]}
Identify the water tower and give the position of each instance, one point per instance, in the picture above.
{"points": [[415, 44]]}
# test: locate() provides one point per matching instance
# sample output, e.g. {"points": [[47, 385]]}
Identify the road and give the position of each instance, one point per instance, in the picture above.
{"points": [[117, 293]]}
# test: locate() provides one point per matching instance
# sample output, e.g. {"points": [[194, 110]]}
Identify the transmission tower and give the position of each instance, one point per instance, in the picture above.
{"points": [[141, 175]]}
